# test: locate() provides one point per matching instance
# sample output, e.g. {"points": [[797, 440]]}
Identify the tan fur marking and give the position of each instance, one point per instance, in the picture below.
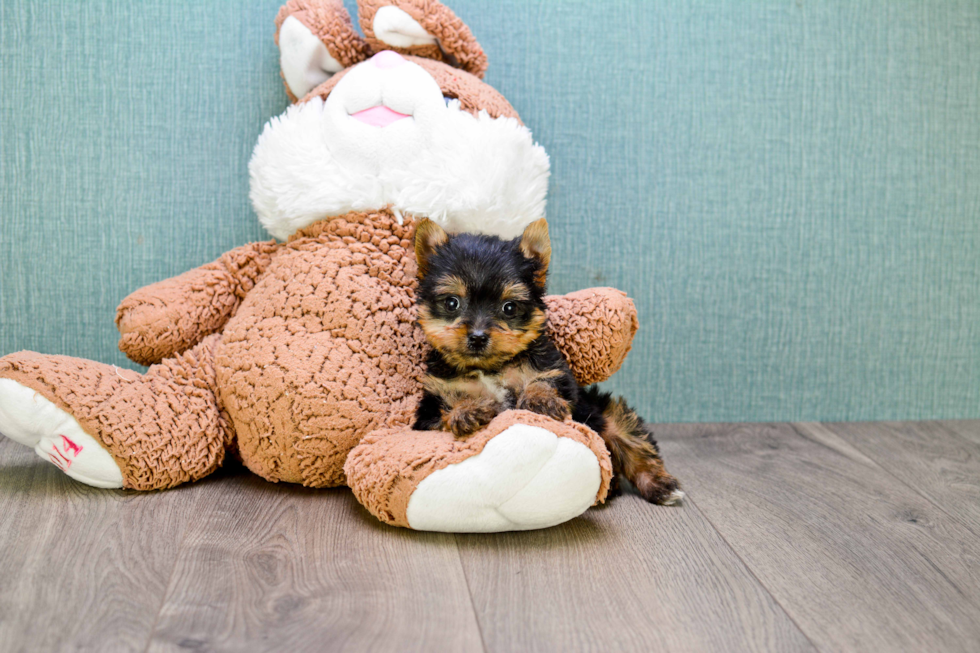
{"points": [[451, 286], [474, 384], [515, 291], [517, 377], [542, 398], [447, 337], [505, 343], [632, 452]]}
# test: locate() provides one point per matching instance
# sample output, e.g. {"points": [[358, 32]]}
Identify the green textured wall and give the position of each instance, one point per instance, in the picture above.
{"points": [[789, 190]]}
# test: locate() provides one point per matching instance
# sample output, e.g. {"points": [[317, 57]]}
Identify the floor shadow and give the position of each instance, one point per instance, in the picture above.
{"points": [[579, 531], [583, 531]]}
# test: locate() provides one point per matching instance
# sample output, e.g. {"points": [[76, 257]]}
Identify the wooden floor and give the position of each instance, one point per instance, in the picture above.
{"points": [[859, 537]]}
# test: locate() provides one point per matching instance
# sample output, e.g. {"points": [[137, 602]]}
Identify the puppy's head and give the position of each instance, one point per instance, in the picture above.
{"points": [[481, 299]]}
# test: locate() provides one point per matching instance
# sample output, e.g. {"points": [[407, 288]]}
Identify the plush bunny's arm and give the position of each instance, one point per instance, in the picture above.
{"points": [[170, 316], [594, 329]]}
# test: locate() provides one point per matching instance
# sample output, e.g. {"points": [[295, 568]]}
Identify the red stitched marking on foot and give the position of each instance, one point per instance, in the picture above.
{"points": [[64, 459], [71, 445]]}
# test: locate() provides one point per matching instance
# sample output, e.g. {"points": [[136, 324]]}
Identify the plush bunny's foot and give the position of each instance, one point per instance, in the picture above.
{"points": [[525, 478], [30, 419], [524, 471], [110, 427]]}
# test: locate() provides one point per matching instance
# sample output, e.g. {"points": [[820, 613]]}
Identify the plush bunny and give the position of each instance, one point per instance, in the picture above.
{"points": [[302, 356]]}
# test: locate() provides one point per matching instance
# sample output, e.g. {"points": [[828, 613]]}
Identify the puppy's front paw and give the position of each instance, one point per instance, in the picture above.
{"points": [[470, 416], [544, 400]]}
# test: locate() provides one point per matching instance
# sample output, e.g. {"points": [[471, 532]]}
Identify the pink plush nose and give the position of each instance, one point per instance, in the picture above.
{"points": [[387, 59]]}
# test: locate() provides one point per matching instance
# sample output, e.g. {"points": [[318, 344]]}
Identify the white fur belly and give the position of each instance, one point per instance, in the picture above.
{"points": [[493, 385]]}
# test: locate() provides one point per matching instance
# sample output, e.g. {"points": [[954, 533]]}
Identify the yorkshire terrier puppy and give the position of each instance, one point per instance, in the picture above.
{"points": [[481, 306]]}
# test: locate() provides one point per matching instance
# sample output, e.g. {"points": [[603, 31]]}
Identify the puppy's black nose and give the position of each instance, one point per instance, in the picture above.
{"points": [[477, 341]]}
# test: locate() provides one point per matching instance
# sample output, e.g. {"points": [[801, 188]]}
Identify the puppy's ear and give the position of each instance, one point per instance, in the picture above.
{"points": [[536, 244], [428, 238]]}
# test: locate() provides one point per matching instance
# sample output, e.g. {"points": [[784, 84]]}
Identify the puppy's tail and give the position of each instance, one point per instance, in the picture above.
{"points": [[631, 445]]}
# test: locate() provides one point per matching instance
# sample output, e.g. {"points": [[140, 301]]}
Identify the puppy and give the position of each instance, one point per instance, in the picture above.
{"points": [[481, 306]]}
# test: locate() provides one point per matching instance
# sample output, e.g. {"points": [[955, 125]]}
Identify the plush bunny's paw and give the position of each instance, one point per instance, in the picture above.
{"points": [[29, 419], [524, 471]]}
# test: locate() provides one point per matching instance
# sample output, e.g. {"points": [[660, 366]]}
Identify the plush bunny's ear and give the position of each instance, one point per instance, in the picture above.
{"points": [[424, 28], [316, 40]]}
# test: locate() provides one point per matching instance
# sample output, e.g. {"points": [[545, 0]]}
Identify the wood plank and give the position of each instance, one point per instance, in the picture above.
{"points": [[857, 558], [839, 523], [927, 456], [627, 576], [289, 568], [967, 428], [81, 568]]}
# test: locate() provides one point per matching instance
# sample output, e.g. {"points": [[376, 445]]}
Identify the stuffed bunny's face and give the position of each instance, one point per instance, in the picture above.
{"points": [[404, 132]]}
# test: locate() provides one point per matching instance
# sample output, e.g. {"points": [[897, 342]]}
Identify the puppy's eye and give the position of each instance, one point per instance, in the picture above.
{"points": [[452, 304], [509, 309]]}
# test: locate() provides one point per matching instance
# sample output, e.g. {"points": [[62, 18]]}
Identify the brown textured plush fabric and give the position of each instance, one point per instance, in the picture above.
{"points": [[170, 316], [329, 21], [324, 349], [457, 45], [594, 329], [162, 428], [384, 470], [473, 94]]}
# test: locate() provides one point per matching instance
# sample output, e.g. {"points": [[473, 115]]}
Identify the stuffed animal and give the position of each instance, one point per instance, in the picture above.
{"points": [[301, 355]]}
